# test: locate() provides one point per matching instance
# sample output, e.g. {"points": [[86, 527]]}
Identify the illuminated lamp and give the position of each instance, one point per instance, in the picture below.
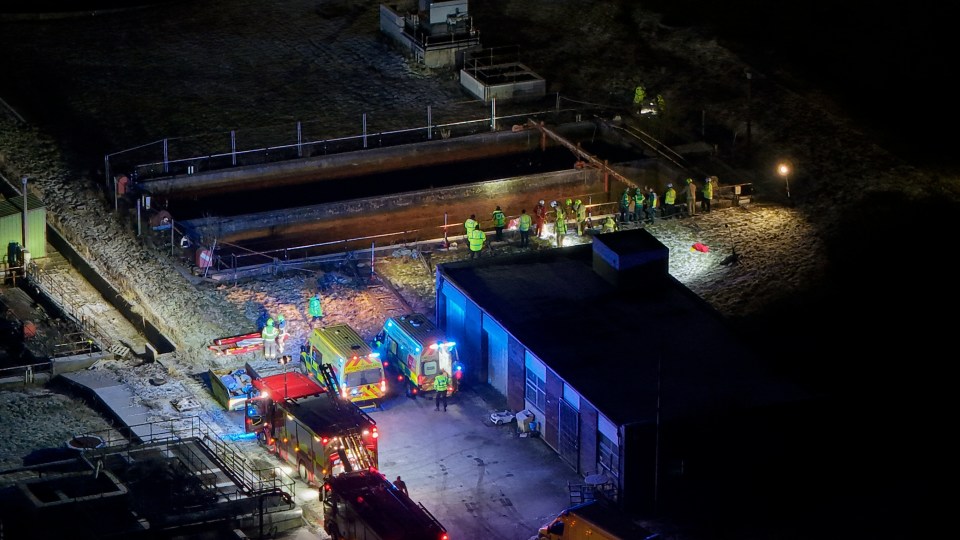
{"points": [[434, 347]]}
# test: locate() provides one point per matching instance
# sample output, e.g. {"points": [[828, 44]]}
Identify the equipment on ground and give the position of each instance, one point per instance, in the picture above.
{"points": [[364, 504], [417, 351], [238, 344], [310, 427], [356, 366]]}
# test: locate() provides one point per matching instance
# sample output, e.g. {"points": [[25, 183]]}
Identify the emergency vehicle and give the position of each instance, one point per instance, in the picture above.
{"points": [[310, 427], [356, 366], [598, 519], [418, 351], [364, 504]]}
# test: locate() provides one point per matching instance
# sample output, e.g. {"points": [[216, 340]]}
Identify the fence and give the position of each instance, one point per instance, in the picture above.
{"points": [[251, 480], [91, 337], [271, 144]]}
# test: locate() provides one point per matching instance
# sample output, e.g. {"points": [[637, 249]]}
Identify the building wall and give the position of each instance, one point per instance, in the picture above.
{"points": [[588, 437], [551, 423], [515, 374]]}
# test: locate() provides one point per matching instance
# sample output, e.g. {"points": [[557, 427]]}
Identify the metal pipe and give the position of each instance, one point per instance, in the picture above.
{"points": [[25, 235]]}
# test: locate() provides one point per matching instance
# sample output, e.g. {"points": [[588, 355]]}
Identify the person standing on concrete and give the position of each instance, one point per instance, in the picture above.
{"points": [[315, 308], [707, 194], [638, 200], [669, 202], [440, 384], [269, 336], [470, 224], [691, 194], [560, 226], [476, 238], [580, 211], [651, 205], [499, 222], [625, 205], [541, 213], [523, 224], [401, 486]]}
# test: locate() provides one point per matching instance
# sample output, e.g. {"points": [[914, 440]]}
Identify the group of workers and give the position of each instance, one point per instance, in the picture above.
{"points": [[639, 205], [274, 332], [647, 206]]}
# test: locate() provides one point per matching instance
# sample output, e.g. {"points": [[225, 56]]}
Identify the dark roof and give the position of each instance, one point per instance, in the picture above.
{"points": [[327, 416], [393, 515], [608, 342]]}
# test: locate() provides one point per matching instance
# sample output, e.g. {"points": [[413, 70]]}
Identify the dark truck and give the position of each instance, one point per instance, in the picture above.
{"points": [[364, 504]]}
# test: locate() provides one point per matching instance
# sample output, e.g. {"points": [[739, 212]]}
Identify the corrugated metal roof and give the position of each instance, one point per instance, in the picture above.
{"points": [[14, 205]]}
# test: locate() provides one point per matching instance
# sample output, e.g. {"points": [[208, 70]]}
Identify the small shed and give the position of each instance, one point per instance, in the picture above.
{"points": [[11, 224]]}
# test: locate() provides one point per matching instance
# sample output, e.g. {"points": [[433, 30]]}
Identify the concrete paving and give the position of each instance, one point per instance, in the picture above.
{"points": [[478, 479]]}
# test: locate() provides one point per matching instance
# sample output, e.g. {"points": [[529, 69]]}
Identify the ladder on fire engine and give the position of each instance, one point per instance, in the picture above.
{"points": [[330, 380], [354, 443], [352, 438]]}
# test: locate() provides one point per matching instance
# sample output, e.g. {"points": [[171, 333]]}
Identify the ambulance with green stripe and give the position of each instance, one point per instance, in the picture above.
{"points": [[414, 348], [357, 366]]}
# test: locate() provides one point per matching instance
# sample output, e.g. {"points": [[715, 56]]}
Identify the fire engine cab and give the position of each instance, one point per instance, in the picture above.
{"points": [[309, 427], [364, 504], [417, 350]]}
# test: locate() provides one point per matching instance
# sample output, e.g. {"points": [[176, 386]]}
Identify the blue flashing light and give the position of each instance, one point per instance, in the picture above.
{"points": [[389, 323], [374, 355], [418, 349], [239, 436]]}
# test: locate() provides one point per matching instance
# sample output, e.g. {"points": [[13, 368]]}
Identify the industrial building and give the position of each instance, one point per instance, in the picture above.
{"points": [[635, 381]]}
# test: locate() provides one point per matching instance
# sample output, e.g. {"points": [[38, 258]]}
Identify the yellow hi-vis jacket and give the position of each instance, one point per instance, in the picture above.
{"points": [[476, 238]]}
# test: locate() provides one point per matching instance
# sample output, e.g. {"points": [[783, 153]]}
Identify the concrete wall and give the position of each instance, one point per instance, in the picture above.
{"points": [[531, 86], [227, 229], [347, 164]]}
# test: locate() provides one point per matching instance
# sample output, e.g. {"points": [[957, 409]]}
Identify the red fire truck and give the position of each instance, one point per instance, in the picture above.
{"points": [[364, 504], [310, 427]]}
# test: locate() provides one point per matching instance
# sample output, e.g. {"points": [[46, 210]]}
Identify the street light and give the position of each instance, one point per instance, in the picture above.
{"points": [[784, 170]]}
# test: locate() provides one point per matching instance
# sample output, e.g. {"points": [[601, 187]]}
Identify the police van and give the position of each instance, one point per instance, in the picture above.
{"points": [[418, 351]]}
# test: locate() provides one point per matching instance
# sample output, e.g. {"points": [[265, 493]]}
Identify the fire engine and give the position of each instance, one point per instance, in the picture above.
{"points": [[310, 426], [364, 504], [418, 351], [356, 366]]}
